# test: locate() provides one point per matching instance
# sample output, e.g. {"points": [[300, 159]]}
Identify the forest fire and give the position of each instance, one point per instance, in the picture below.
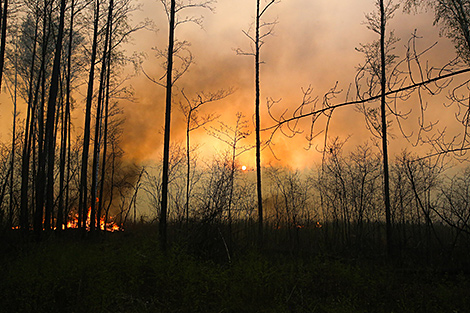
{"points": [[107, 226], [72, 223]]}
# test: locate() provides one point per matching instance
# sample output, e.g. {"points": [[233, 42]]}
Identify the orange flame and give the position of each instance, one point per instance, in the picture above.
{"points": [[73, 223]]}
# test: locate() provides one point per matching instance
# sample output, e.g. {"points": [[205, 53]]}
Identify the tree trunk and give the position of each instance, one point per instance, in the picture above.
{"points": [[27, 140], [99, 113], [13, 141], [188, 161], [3, 40], [106, 118], [383, 81], [166, 143], [51, 108], [65, 126], [41, 174], [82, 214], [257, 126]]}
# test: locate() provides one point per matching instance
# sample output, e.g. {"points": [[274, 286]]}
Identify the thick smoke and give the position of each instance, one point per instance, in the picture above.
{"points": [[313, 44]]}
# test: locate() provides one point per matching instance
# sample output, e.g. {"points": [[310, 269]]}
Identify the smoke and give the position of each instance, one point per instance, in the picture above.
{"points": [[313, 44]]}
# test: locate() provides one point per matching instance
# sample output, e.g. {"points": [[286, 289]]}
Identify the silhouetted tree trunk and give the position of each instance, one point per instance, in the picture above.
{"points": [[62, 153], [99, 113], [257, 126], [65, 125], [193, 122], [257, 40], [51, 108], [86, 137], [383, 105], [3, 40], [106, 119], [13, 140], [28, 133], [378, 65], [41, 162], [258, 43], [166, 142]]}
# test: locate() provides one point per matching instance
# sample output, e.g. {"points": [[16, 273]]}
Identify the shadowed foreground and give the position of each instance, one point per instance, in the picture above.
{"points": [[128, 273]]}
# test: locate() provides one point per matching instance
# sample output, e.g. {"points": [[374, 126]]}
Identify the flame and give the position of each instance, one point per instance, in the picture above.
{"points": [[72, 222], [109, 226]]}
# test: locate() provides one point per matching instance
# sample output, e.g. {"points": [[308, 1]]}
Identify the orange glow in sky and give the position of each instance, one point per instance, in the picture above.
{"points": [[306, 49], [313, 44]]}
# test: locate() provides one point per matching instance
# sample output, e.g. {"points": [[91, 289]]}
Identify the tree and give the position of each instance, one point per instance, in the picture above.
{"points": [[377, 67], [65, 135], [232, 137], [51, 111], [172, 10], [258, 40], [190, 109], [166, 143], [290, 200], [384, 16], [82, 216], [98, 118], [40, 96], [13, 141], [454, 18], [3, 38]]}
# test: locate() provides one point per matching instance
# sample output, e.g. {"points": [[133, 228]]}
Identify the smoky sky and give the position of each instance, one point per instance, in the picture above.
{"points": [[313, 44]]}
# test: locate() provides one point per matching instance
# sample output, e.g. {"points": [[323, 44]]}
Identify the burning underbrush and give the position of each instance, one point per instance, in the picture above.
{"points": [[105, 223]]}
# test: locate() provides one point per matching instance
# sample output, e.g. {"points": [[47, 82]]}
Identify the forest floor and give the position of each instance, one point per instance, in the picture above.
{"points": [[128, 273]]}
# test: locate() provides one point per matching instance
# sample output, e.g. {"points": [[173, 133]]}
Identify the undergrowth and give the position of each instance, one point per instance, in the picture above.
{"points": [[129, 273]]}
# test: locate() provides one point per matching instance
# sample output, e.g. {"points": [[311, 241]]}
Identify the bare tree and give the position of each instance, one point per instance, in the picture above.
{"points": [[261, 31], [290, 197], [98, 117], [173, 11], [194, 121], [232, 136], [453, 204], [378, 59], [3, 38], [51, 116], [87, 130]]}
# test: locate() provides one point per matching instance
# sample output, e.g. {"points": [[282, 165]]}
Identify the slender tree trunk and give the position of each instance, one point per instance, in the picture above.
{"points": [[384, 131], [111, 191], [106, 118], [27, 140], [99, 114], [69, 160], [51, 108], [4, 187], [86, 137], [3, 40], [188, 160], [65, 126], [166, 143], [13, 142], [63, 150], [41, 174], [257, 126], [232, 182]]}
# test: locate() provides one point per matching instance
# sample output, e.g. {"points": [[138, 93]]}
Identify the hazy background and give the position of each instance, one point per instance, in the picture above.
{"points": [[313, 45]]}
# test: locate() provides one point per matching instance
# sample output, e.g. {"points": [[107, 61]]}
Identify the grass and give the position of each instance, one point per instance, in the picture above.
{"points": [[128, 273]]}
